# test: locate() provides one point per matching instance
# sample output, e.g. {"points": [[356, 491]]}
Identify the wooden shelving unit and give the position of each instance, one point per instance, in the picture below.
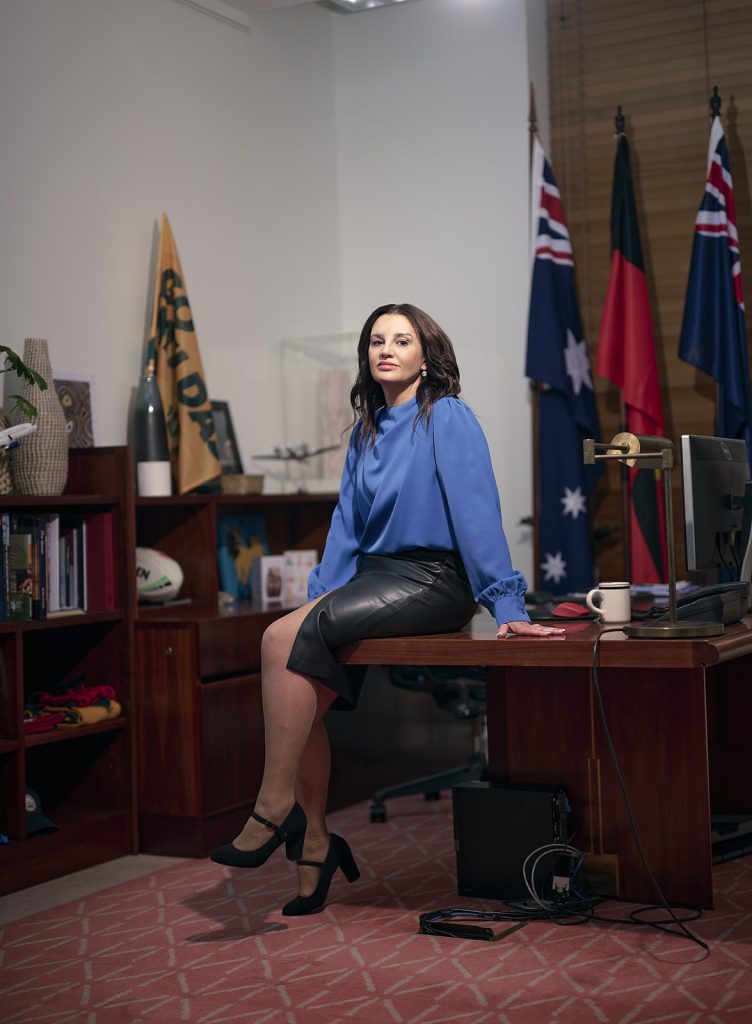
{"points": [[83, 775]]}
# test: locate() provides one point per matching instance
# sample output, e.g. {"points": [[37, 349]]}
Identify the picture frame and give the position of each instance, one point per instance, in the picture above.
{"points": [[241, 540], [75, 393], [227, 446]]}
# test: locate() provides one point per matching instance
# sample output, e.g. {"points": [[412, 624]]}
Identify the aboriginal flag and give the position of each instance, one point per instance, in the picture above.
{"points": [[626, 357]]}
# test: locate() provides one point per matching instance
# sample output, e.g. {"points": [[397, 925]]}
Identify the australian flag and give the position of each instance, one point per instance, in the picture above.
{"points": [[713, 335], [557, 360]]}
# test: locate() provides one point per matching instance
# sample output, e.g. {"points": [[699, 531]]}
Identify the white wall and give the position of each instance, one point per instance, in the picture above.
{"points": [[115, 110], [432, 111], [311, 169]]}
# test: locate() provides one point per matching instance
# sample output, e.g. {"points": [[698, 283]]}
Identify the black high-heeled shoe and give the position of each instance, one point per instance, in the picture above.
{"points": [[291, 832], [339, 855]]}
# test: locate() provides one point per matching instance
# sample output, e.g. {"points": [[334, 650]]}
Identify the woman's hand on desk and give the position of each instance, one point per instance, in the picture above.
{"points": [[523, 628]]}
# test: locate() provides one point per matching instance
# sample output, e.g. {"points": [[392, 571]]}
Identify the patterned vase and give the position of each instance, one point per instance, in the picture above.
{"points": [[40, 463]]}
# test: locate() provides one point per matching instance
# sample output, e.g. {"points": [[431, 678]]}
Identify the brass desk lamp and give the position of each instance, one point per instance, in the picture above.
{"points": [[653, 453]]}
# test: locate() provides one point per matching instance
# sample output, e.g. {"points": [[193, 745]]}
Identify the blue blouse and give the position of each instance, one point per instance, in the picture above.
{"points": [[423, 487]]}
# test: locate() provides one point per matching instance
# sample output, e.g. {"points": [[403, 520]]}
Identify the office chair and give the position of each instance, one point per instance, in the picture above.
{"points": [[462, 692]]}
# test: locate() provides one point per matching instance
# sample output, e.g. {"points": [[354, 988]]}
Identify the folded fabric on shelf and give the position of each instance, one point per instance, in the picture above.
{"points": [[74, 696], [72, 717], [37, 720]]}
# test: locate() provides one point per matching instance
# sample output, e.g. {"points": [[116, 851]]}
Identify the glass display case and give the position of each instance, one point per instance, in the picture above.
{"points": [[317, 375]]}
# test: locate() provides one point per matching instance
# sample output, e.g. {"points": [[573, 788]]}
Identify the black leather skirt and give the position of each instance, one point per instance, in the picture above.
{"points": [[407, 594]]}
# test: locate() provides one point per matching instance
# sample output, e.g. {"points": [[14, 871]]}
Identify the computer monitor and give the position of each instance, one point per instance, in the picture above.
{"points": [[717, 503]]}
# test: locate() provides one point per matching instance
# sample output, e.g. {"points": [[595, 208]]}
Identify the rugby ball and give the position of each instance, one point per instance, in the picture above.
{"points": [[158, 577]]}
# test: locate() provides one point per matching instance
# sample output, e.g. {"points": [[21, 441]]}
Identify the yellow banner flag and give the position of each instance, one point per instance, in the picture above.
{"points": [[174, 346]]}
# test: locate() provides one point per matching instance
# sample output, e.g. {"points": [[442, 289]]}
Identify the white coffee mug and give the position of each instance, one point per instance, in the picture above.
{"points": [[610, 602]]}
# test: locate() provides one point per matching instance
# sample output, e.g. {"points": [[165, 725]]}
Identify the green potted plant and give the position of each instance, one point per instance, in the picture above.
{"points": [[14, 363]]}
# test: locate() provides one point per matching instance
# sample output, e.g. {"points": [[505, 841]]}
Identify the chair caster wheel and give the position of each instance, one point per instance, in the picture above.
{"points": [[378, 812], [434, 795]]}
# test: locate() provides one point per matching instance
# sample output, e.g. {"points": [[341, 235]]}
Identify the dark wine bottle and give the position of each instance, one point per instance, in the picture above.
{"points": [[153, 474]]}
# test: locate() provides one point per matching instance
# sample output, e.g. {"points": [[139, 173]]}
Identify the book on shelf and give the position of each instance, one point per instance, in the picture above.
{"points": [[4, 569], [57, 564], [72, 562], [40, 557], [31, 578], [62, 568], [52, 530], [24, 565], [19, 576], [87, 560], [62, 612]]}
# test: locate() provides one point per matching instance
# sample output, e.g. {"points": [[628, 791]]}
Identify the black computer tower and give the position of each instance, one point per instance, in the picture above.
{"points": [[496, 827]]}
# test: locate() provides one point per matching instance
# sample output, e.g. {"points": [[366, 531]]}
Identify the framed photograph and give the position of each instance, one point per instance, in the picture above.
{"points": [[229, 456], [76, 395]]}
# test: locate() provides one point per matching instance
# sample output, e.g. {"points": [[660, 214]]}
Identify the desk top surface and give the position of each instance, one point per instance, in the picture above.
{"points": [[477, 645]]}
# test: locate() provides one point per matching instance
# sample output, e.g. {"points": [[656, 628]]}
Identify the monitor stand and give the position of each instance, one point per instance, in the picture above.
{"points": [[673, 630]]}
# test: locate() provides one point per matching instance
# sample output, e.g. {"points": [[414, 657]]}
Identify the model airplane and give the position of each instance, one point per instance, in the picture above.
{"points": [[10, 436], [296, 452]]}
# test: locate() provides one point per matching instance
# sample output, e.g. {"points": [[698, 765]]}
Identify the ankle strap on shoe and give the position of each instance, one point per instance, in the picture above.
{"points": [[311, 863], [269, 824]]}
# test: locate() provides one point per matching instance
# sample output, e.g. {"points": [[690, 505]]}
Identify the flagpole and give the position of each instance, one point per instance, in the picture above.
{"points": [[534, 385], [715, 103], [625, 514], [619, 123], [715, 111]]}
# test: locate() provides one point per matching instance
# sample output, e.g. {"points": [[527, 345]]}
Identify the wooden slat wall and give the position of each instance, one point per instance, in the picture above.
{"points": [[659, 60]]}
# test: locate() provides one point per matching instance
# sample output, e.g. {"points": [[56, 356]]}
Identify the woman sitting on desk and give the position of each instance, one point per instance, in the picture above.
{"points": [[416, 540]]}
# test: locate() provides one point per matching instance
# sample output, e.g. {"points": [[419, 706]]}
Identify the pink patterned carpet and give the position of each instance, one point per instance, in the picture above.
{"points": [[201, 943]]}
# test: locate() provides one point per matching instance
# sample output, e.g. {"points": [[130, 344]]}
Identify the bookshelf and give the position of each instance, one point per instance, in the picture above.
{"points": [[83, 774], [200, 751]]}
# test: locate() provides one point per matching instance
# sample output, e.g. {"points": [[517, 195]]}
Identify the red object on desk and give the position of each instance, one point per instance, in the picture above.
{"points": [[569, 609]]}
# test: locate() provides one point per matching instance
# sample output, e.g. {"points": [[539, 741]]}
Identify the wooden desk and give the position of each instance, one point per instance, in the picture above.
{"points": [[679, 713]]}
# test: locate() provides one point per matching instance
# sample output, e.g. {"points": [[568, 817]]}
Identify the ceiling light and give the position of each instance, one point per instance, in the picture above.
{"points": [[361, 5]]}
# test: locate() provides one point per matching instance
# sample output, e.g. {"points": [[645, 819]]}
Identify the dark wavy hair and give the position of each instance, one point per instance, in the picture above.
{"points": [[443, 375]]}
